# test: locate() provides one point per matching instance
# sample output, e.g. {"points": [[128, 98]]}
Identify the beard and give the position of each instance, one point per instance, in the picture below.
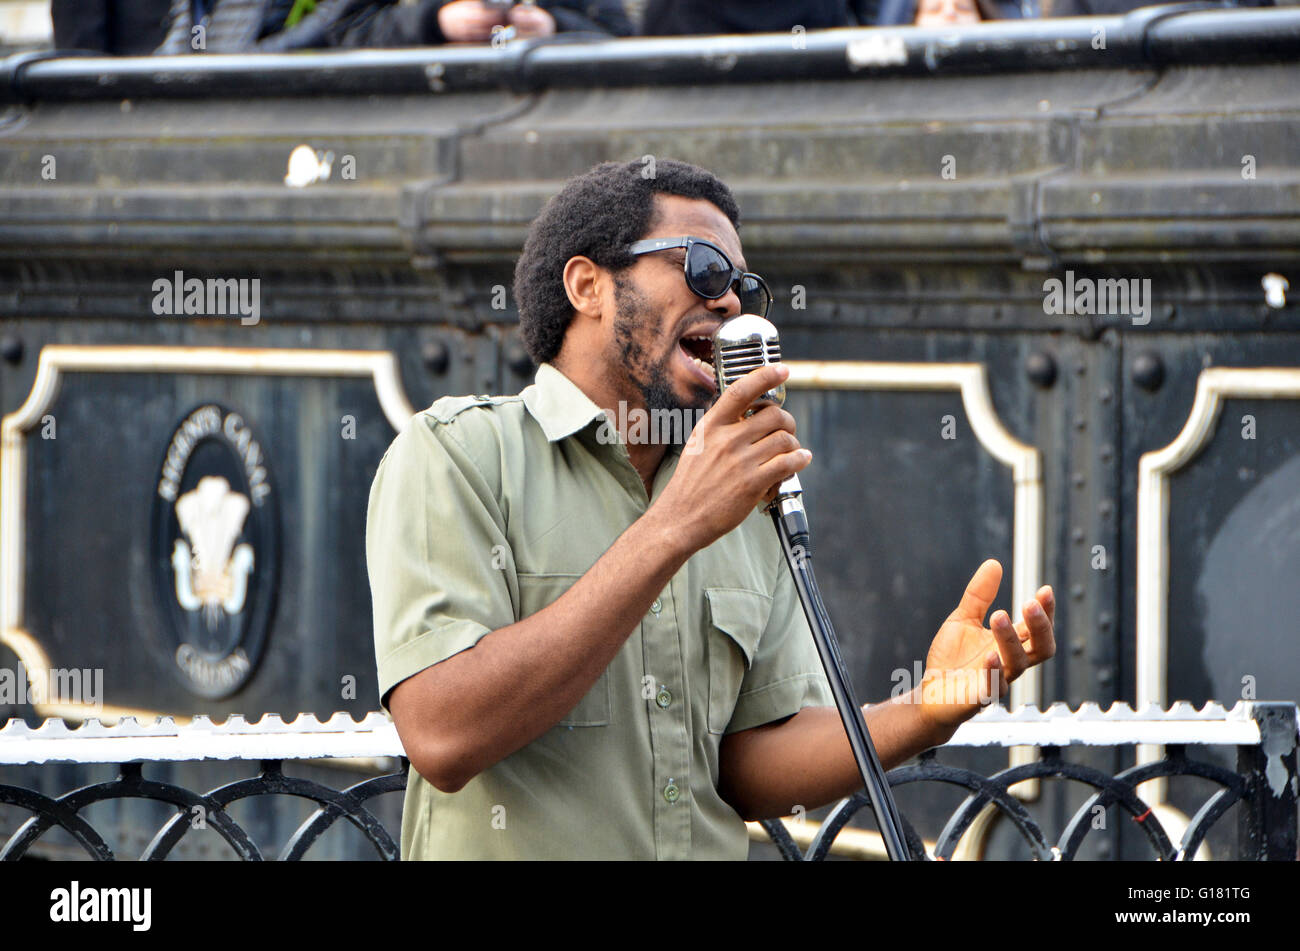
{"points": [[634, 323]]}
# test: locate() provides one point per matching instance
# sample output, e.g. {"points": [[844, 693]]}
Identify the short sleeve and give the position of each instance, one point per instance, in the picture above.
{"points": [[786, 674], [441, 570]]}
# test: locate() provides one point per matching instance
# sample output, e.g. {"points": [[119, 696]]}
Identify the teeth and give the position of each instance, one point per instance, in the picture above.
{"points": [[705, 367]]}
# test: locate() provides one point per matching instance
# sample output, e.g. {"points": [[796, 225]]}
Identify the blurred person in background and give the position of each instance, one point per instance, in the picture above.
{"points": [[941, 13], [682, 17], [676, 17], [117, 27], [1088, 8], [232, 26]]}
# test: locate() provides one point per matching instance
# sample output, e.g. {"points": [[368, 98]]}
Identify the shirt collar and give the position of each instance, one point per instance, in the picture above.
{"points": [[558, 405]]}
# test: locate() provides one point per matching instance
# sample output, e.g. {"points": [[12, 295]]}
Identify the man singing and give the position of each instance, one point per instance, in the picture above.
{"points": [[588, 640]]}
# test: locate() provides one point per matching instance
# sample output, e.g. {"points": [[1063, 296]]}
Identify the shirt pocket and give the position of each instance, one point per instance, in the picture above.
{"points": [[536, 591], [737, 619]]}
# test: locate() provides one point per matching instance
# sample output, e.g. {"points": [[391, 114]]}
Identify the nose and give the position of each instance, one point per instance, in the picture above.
{"points": [[728, 305]]}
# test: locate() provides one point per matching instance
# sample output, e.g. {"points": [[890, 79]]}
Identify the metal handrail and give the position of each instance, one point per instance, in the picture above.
{"points": [[1151, 37]]}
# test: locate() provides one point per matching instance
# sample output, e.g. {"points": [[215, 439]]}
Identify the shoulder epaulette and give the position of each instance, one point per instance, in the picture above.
{"points": [[447, 408]]}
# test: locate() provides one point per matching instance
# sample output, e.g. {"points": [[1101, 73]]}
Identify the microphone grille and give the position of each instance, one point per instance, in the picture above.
{"points": [[742, 345]]}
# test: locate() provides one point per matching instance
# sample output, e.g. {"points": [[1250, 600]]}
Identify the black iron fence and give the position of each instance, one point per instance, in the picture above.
{"points": [[1263, 784]]}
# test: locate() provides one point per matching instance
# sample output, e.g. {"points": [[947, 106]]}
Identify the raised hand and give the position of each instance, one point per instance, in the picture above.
{"points": [[970, 665]]}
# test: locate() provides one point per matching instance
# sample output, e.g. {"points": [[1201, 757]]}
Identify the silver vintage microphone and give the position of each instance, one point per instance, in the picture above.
{"points": [[740, 346]]}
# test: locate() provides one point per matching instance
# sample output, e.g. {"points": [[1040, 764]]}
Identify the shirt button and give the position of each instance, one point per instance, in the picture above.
{"points": [[671, 792], [664, 698], [656, 607]]}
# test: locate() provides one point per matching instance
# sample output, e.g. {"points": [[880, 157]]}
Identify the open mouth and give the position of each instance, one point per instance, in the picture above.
{"points": [[699, 351]]}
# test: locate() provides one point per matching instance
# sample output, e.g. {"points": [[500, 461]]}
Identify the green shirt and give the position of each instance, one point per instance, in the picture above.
{"points": [[485, 510]]}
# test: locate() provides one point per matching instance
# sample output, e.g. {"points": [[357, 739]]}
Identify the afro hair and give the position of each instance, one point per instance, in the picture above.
{"points": [[597, 215]]}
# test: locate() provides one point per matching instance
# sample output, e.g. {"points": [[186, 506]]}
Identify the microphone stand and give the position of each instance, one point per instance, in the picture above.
{"points": [[792, 528], [741, 345]]}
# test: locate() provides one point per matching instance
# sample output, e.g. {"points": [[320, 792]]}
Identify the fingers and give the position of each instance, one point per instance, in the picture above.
{"points": [[778, 450], [779, 468], [740, 396], [1010, 651], [980, 592], [1041, 640], [1036, 631], [1047, 598], [774, 444], [532, 21], [996, 685], [769, 420]]}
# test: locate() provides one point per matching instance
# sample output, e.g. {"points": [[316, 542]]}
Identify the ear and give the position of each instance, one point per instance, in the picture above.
{"points": [[583, 283]]}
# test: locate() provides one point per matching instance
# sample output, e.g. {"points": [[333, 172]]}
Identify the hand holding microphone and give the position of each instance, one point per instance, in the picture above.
{"points": [[733, 459]]}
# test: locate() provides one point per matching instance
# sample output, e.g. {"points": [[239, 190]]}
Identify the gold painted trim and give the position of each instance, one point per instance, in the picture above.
{"points": [[1213, 386], [55, 361]]}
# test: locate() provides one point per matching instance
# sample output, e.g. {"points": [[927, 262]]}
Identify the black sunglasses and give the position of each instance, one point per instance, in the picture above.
{"points": [[710, 273]]}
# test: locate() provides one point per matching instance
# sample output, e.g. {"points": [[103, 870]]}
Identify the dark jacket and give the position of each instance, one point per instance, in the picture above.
{"points": [[237, 26], [679, 17], [120, 27], [1088, 8]]}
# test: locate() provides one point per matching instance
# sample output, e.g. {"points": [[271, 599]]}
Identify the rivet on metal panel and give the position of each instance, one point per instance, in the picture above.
{"points": [[1148, 371], [436, 357], [11, 349], [1040, 368]]}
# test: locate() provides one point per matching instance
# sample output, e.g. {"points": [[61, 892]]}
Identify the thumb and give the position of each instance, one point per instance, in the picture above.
{"points": [[980, 592]]}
